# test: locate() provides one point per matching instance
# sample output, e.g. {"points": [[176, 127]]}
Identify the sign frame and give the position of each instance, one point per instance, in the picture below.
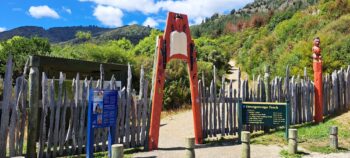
{"points": [[90, 127], [240, 114]]}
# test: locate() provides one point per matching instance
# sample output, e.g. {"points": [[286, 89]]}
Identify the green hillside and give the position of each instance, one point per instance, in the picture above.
{"points": [[67, 35], [255, 13], [286, 39]]}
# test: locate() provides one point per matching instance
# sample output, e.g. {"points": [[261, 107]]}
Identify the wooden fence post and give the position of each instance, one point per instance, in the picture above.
{"points": [[245, 139], [33, 105], [190, 153], [292, 141], [333, 137], [267, 84], [117, 151], [7, 92]]}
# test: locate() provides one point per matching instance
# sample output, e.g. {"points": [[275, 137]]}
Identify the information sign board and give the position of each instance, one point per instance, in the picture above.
{"points": [[267, 114], [102, 112]]}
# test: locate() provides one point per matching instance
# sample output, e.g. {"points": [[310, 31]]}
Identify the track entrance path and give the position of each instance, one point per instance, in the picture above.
{"points": [[175, 129]]}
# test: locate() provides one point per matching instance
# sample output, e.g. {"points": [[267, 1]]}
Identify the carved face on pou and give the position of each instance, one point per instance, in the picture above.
{"points": [[316, 48]]}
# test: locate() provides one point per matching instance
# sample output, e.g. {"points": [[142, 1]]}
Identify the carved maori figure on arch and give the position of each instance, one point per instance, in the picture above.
{"points": [[316, 50]]}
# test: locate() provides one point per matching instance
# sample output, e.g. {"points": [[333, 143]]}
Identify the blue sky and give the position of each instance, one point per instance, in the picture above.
{"points": [[107, 13]]}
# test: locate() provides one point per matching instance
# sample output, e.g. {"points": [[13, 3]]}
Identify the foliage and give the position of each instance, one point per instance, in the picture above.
{"points": [[81, 35], [109, 52], [287, 40], [254, 14], [279, 17], [176, 89], [134, 33], [147, 45], [211, 50], [20, 48], [285, 154], [122, 51], [54, 34]]}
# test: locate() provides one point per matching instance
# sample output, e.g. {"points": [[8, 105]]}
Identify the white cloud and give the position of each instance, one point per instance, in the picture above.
{"points": [[197, 10], [133, 22], [42, 12], [2, 29], [150, 22], [67, 10], [109, 16]]}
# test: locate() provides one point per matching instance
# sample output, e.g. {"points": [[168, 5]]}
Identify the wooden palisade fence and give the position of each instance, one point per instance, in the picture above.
{"points": [[13, 113], [62, 119], [220, 114]]}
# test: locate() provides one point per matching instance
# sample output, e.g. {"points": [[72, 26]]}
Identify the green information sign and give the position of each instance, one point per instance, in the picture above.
{"points": [[264, 113]]}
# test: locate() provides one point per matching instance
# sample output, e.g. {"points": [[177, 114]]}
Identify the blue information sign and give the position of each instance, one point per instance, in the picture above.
{"points": [[102, 112], [104, 109]]}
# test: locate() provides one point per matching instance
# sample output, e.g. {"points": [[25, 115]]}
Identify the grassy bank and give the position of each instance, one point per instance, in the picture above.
{"points": [[313, 137]]}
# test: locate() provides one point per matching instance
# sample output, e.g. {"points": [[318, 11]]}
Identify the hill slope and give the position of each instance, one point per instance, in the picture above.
{"points": [[285, 38], [67, 34], [220, 24]]}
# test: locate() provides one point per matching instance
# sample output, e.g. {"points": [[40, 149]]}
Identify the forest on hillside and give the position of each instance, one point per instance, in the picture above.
{"points": [[275, 38]]}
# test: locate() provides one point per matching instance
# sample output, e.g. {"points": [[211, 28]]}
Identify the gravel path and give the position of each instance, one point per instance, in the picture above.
{"points": [[175, 129], [334, 155]]}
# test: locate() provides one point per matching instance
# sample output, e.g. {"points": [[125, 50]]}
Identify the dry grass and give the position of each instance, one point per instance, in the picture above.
{"points": [[169, 113]]}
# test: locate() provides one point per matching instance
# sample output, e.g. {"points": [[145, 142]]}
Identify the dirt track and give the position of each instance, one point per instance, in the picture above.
{"points": [[175, 129]]}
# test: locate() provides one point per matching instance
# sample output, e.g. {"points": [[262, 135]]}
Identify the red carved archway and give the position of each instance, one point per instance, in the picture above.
{"points": [[176, 43]]}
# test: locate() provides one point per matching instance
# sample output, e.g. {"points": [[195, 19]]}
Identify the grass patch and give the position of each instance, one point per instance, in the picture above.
{"points": [[326, 149], [128, 153], [219, 141], [313, 137], [285, 154], [275, 137], [173, 112]]}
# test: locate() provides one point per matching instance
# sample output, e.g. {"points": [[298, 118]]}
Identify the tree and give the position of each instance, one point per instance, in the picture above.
{"points": [[81, 35], [214, 16], [233, 11], [21, 48], [147, 45]]}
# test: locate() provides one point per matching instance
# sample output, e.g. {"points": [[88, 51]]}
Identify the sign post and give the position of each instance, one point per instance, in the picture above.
{"points": [[102, 112], [264, 113]]}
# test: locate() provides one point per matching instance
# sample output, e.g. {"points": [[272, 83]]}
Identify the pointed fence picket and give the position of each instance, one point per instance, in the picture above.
{"points": [[63, 115], [219, 112]]}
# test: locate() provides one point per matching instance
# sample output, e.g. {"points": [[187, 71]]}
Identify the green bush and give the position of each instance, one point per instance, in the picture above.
{"points": [[21, 48]]}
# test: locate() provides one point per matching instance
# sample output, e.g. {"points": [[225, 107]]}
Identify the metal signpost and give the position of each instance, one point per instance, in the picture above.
{"points": [[102, 113], [264, 113]]}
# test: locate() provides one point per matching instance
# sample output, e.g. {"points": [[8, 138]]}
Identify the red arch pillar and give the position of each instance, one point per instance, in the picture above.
{"points": [[176, 43]]}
